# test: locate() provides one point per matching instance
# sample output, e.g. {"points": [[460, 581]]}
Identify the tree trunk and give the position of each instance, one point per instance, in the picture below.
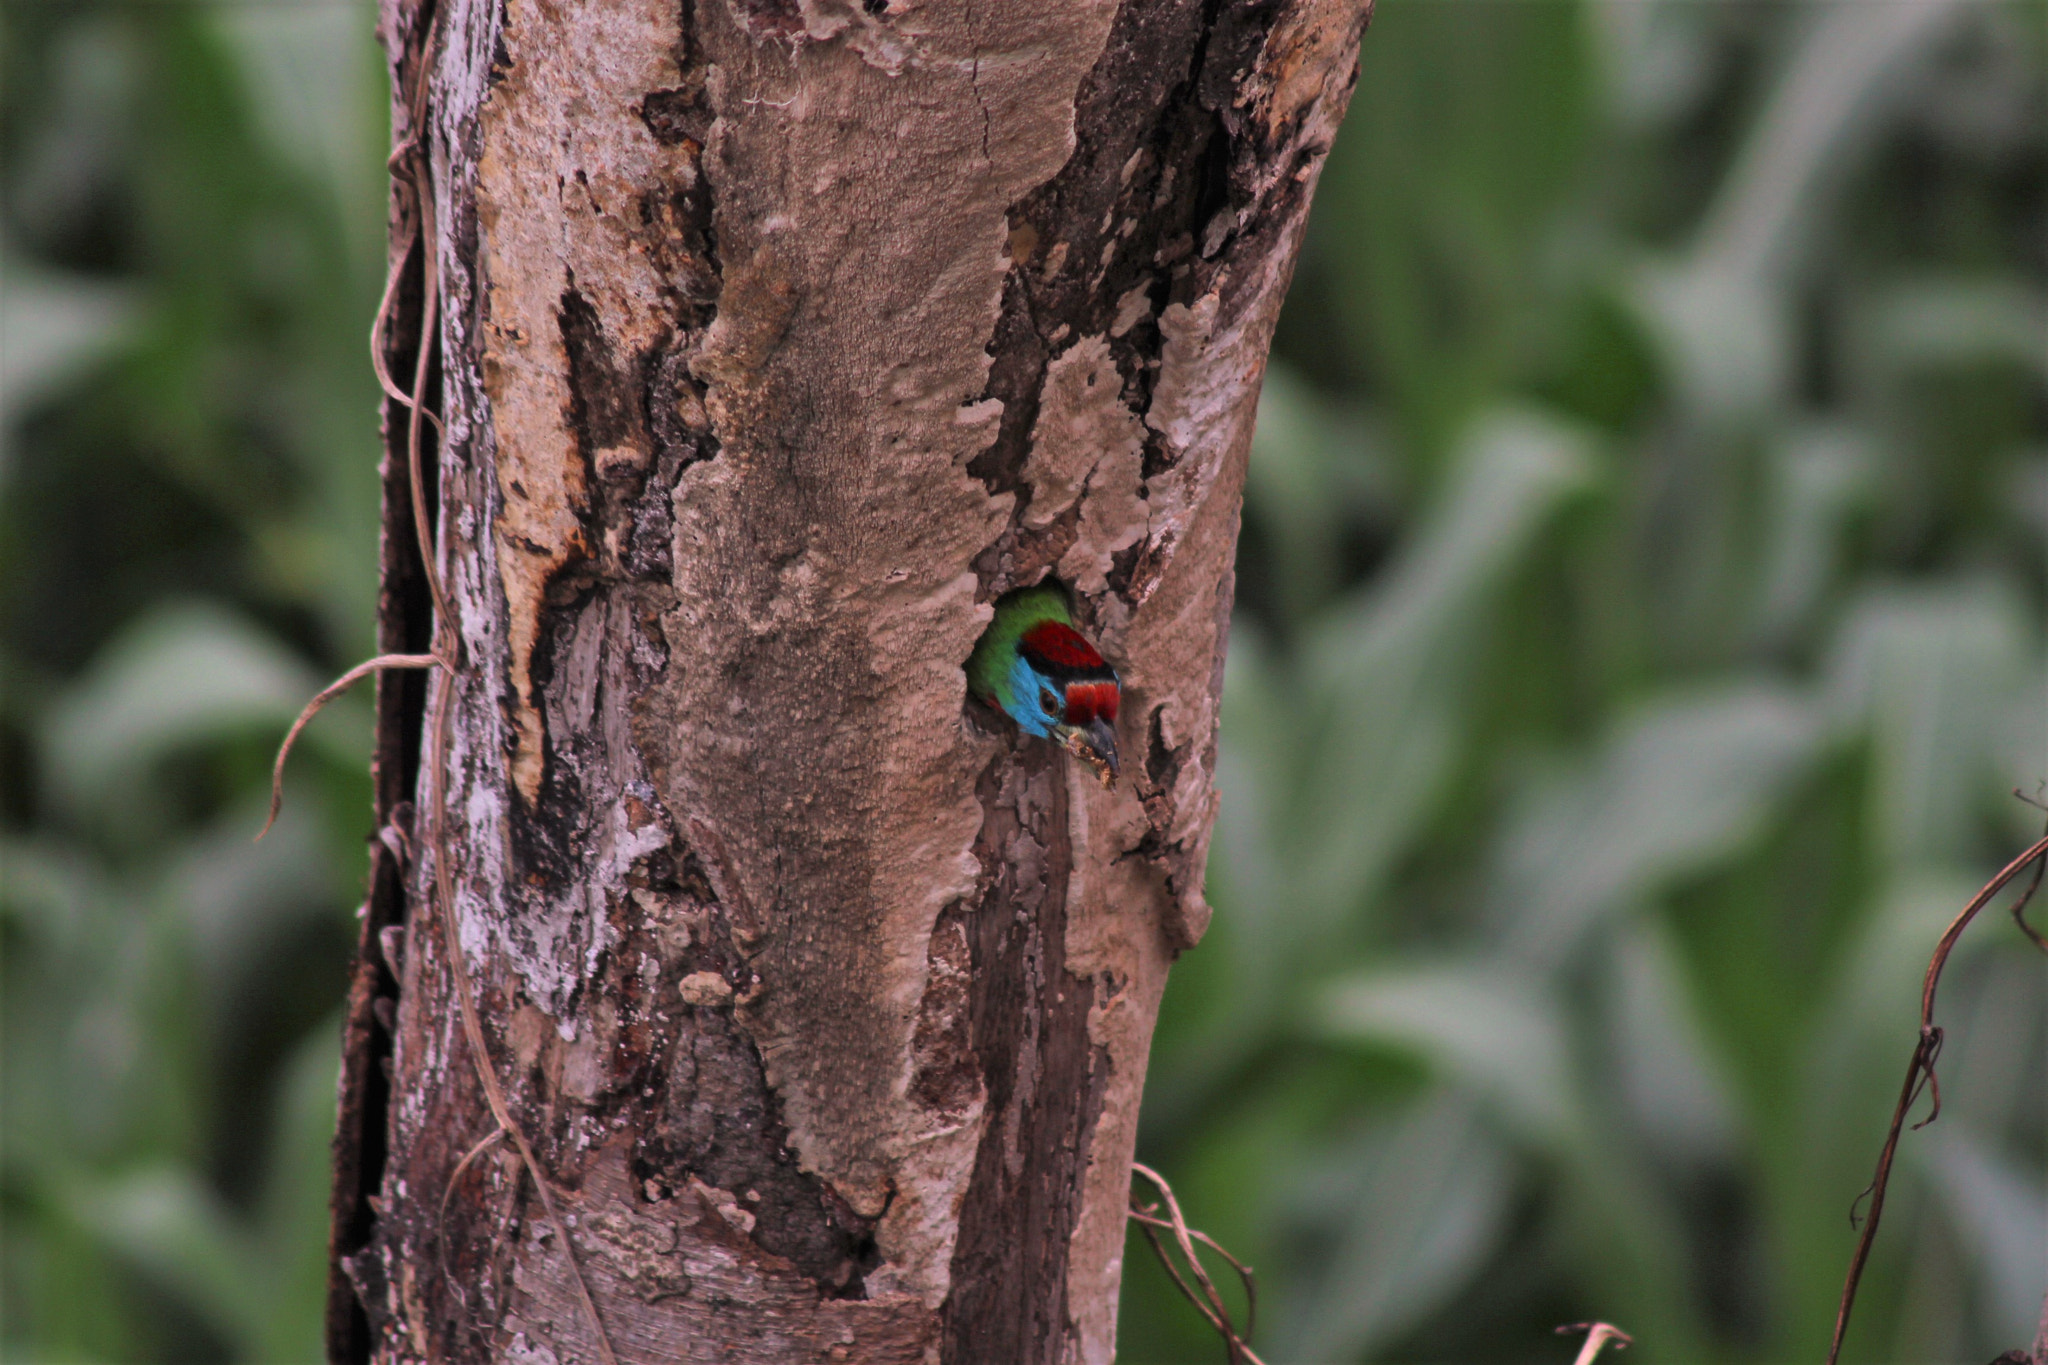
{"points": [[776, 339]]}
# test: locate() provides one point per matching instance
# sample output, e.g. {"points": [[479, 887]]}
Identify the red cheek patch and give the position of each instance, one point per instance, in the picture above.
{"points": [[1089, 701]]}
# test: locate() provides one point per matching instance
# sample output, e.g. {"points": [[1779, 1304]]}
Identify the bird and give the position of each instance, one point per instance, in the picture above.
{"points": [[1034, 667]]}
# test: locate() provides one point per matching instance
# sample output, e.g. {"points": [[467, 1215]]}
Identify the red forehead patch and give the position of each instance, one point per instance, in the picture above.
{"points": [[1061, 646], [1087, 701]]}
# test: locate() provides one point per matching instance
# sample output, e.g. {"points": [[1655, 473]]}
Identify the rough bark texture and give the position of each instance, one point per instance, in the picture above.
{"points": [[778, 338]]}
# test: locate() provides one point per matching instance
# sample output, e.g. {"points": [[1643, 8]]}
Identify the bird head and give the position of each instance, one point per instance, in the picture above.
{"points": [[1067, 693], [1048, 678]]}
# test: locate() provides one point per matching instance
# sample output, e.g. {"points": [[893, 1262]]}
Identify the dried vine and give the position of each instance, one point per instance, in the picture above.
{"points": [[1920, 1072], [1598, 1336], [1208, 1301], [408, 166]]}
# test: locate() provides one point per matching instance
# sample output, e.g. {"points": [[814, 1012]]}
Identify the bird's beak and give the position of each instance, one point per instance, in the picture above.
{"points": [[1095, 745]]}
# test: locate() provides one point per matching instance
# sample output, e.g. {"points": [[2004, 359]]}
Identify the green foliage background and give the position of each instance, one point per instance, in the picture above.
{"points": [[1640, 629]]}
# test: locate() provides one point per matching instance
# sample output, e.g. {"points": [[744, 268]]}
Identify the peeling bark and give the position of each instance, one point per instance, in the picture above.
{"points": [[778, 338]]}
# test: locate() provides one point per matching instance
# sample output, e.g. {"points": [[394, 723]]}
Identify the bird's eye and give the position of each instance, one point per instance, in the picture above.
{"points": [[1049, 699]]}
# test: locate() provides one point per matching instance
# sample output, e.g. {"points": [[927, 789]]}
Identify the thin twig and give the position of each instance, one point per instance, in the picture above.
{"points": [[423, 205], [1209, 1302], [1920, 1074], [1598, 1334], [315, 706], [380, 324], [2019, 917], [1143, 1216], [408, 162], [447, 1193], [404, 165]]}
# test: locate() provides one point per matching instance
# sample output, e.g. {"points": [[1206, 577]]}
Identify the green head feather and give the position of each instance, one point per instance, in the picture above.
{"points": [[989, 675]]}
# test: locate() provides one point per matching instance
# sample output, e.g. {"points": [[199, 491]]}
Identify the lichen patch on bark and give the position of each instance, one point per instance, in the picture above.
{"points": [[576, 297], [1085, 468]]}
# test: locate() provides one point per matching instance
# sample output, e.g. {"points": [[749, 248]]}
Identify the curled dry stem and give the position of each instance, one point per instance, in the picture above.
{"points": [[380, 324], [319, 703], [483, 1145], [1920, 1073], [1209, 1301], [408, 165], [2019, 917], [1598, 1334], [423, 531]]}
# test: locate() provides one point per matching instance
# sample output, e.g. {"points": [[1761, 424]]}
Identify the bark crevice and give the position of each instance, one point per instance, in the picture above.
{"points": [[1043, 1076]]}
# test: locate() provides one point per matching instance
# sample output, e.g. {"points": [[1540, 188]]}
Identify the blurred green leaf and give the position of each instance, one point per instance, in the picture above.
{"points": [[1822, 476], [1680, 783], [1662, 1056], [1430, 1195], [314, 91], [1947, 323], [1492, 1030], [1329, 775], [186, 675], [1725, 337], [168, 1224], [292, 1230], [1850, 70], [1999, 1207], [51, 325], [1310, 471], [1483, 125], [195, 243], [1929, 671], [240, 892], [1384, 672]]}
